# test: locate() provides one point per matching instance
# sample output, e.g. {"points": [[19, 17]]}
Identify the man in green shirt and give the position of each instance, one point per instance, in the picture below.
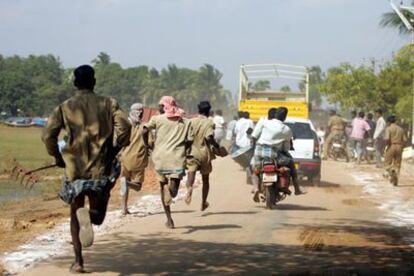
{"points": [[201, 153]]}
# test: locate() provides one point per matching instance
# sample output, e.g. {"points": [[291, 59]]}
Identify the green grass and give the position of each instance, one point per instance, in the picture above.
{"points": [[26, 147]]}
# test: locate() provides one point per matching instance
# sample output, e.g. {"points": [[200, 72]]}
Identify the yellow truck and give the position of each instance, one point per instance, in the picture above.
{"points": [[257, 100]]}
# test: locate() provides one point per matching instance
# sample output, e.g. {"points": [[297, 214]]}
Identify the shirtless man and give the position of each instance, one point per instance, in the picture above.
{"points": [[134, 158], [173, 140], [91, 123], [201, 153]]}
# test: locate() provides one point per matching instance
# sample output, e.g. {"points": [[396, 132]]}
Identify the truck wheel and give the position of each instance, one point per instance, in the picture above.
{"points": [[270, 197]]}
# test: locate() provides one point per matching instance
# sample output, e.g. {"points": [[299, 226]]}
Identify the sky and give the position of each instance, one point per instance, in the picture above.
{"points": [[189, 33]]}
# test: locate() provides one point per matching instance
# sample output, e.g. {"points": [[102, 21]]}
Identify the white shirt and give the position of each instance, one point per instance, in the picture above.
{"points": [[379, 128], [230, 129], [242, 125], [218, 121], [273, 133]]}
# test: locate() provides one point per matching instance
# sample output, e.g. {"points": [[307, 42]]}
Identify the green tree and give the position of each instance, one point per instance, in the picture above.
{"points": [[392, 20], [351, 87], [36, 84], [103, 59], [261, 85], [285, 88]]}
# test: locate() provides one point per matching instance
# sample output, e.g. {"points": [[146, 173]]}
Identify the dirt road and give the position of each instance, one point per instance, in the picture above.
{"points": [[336, 228]]}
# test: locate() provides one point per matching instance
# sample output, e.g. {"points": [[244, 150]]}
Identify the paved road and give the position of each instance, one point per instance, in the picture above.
{"points": [[330, 230]]}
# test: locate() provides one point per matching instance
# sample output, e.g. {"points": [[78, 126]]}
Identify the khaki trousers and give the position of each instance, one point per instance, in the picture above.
{"points": [[328, 141], [393, 157]]}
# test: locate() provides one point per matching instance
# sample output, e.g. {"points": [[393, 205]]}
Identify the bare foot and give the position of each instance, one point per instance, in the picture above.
{"points": [[300, 192], [256, 197], [167, 195], [204, 206], [188, 196], [86, 234], [125, 212], [170, 224], [76, 268]]}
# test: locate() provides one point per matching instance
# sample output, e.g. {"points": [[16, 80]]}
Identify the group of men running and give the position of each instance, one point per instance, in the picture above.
{"points": [[103, 144], [389, 138], [99, 133]]}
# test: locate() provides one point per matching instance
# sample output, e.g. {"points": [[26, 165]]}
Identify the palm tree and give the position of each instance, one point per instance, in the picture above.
{"points": [[209, 80], [392, 20]]}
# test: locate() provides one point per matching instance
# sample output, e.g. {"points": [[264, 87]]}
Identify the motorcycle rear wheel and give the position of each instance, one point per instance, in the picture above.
{"points": [[270, 197]]}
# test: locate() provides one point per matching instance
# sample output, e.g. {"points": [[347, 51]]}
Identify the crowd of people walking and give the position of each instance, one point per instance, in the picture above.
{"points": [[364, 134]]}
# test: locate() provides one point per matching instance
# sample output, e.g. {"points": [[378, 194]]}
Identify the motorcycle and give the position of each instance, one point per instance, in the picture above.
{"points": [[370, 150], [339, 148], [274, 182]]}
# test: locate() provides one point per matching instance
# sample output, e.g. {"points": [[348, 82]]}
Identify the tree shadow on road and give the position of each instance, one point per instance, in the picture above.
{"points": [[192, 229], [125, 254], [294, 207]]}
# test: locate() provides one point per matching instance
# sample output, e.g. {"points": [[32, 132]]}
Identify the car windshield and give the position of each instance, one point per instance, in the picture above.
{"points": [[301, 130]]}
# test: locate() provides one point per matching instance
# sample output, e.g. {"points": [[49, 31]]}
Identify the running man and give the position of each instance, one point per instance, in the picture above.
{"points": [[201, 153], [173, 139], [91, 123], [134, 158]]}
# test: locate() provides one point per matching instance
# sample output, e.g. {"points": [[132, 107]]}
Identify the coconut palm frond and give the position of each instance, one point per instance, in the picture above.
{"points": [[392, 20]]}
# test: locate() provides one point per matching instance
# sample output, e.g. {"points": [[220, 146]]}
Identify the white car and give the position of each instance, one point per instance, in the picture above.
{"points": [[306, 153]]}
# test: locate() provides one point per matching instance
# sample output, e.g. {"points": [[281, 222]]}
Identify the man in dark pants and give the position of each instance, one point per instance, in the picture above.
{"points": [[96, 127]]}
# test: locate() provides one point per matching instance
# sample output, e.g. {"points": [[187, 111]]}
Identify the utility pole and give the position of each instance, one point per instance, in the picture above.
{"points": [[409, 27]]}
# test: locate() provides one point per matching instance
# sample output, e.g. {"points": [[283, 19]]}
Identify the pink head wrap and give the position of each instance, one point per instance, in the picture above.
{"points": [[170, 107]]}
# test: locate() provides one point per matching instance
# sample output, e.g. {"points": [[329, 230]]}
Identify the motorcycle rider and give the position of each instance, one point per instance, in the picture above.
{"points": [[336, 126], [270, 136]]}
